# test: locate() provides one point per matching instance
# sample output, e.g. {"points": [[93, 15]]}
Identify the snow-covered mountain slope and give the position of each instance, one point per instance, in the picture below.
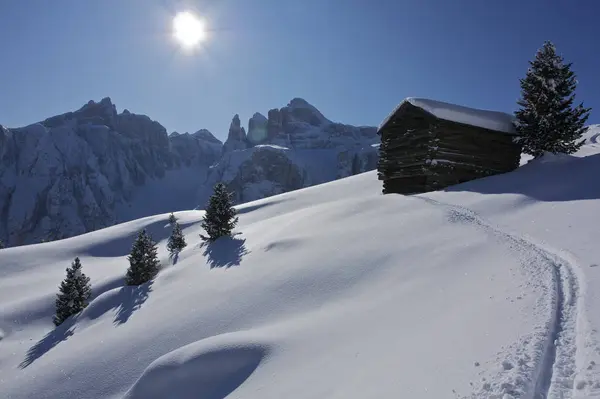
{"points": [[486, 290], [94, 167], [71, 173]]}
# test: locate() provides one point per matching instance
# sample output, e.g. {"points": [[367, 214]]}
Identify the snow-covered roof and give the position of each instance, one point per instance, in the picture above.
{"points": [[492, 120]]}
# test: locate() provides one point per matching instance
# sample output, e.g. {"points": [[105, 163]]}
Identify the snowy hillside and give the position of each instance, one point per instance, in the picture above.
{"points": [[94, 167], [486, 290]]}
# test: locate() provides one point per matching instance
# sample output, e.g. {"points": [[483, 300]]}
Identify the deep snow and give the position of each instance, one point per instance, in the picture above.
{"points": [[485, 290]]}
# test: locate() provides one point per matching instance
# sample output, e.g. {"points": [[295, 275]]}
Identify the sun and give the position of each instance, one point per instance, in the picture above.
{"points": [[188, 30]]}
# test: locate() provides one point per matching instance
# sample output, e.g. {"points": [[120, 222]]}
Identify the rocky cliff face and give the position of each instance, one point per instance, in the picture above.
{"points": [[94, 167], [65, 176], [236, 138], [297, 147], [257, 129], [255, 173], [196, 149]]}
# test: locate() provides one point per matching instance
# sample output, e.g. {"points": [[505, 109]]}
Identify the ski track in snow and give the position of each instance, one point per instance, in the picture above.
{"points": [[543, 364]]}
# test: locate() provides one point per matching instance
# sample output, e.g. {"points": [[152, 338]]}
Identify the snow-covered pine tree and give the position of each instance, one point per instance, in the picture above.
{"points": [[172, 219], [220, 217], [547, 120], [2, 245], [176, 240], [143, 260], [75, 290]]}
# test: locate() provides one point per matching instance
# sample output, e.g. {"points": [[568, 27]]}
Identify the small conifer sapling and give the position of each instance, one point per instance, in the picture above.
{"points": [[176, 240], [75, 291], [220, 217], [143, 260]]}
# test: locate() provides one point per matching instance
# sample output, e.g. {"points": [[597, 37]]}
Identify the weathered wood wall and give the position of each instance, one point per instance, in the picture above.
{"points": [[420, 153]]}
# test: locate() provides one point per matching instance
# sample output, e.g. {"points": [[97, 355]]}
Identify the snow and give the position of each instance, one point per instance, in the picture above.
{"points": [[492, 120], [489, 289]]}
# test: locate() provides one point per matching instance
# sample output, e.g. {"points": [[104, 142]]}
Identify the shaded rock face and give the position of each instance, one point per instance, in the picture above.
{"points": [[356, 160], [94, 167], [300, 111], [197, 149], [66, 175], [300, 125], [95, 113], [236, 138], [257, 129], [295, 137], [275, 131], [256, 173]]}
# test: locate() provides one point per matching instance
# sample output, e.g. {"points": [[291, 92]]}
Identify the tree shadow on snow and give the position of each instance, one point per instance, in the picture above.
{"points": [[129, 299], [50, 340], [121, 245], [132, 298], [224, 252]]}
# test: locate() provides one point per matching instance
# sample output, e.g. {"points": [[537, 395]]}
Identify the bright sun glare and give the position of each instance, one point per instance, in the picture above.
{"points": [[188, 29]]}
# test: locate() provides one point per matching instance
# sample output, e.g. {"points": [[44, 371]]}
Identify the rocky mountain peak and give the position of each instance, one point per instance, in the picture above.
{"points": [[205, 134], [94, 113], [300, 110], [236, 138], [257, 129]]}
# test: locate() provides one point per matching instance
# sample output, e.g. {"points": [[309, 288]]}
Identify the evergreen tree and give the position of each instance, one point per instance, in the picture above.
{"points": [[547, 120], [143, 260], [220, 217], [176, 240], [2, 244], [172, 219], [75, 290]]}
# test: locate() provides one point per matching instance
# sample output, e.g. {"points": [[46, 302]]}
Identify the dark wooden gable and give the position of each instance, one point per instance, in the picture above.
{"points": [[420, 152]]}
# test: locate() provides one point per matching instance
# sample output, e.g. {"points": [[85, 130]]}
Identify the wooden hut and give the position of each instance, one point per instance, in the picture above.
{"points": [[427, 145]]}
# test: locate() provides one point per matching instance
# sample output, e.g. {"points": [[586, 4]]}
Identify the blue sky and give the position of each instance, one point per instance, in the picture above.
{"points": [[352, 59]]}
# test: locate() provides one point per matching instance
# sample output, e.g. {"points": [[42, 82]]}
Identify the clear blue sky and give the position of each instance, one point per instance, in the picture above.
{"points": [[352, 59]]}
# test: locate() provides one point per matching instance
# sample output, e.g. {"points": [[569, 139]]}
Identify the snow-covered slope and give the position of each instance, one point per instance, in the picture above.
{"points": [[94, 167], [486, 290]]}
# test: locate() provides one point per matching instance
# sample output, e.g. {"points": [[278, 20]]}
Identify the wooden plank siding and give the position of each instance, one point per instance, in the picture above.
{"points": [[420, 153]]}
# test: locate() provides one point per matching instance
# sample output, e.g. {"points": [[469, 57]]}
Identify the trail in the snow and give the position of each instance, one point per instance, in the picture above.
{"points": [[555, 371]]}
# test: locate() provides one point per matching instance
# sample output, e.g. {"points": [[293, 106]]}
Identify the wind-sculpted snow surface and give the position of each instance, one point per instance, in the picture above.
{"points": [[210, 369]]}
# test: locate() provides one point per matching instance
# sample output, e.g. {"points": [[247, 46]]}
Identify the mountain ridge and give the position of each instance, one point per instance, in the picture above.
{"points": [[93, 167]]}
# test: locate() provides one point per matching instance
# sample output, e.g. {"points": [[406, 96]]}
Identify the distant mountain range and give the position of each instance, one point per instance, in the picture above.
{"points": [[94, 167]]}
